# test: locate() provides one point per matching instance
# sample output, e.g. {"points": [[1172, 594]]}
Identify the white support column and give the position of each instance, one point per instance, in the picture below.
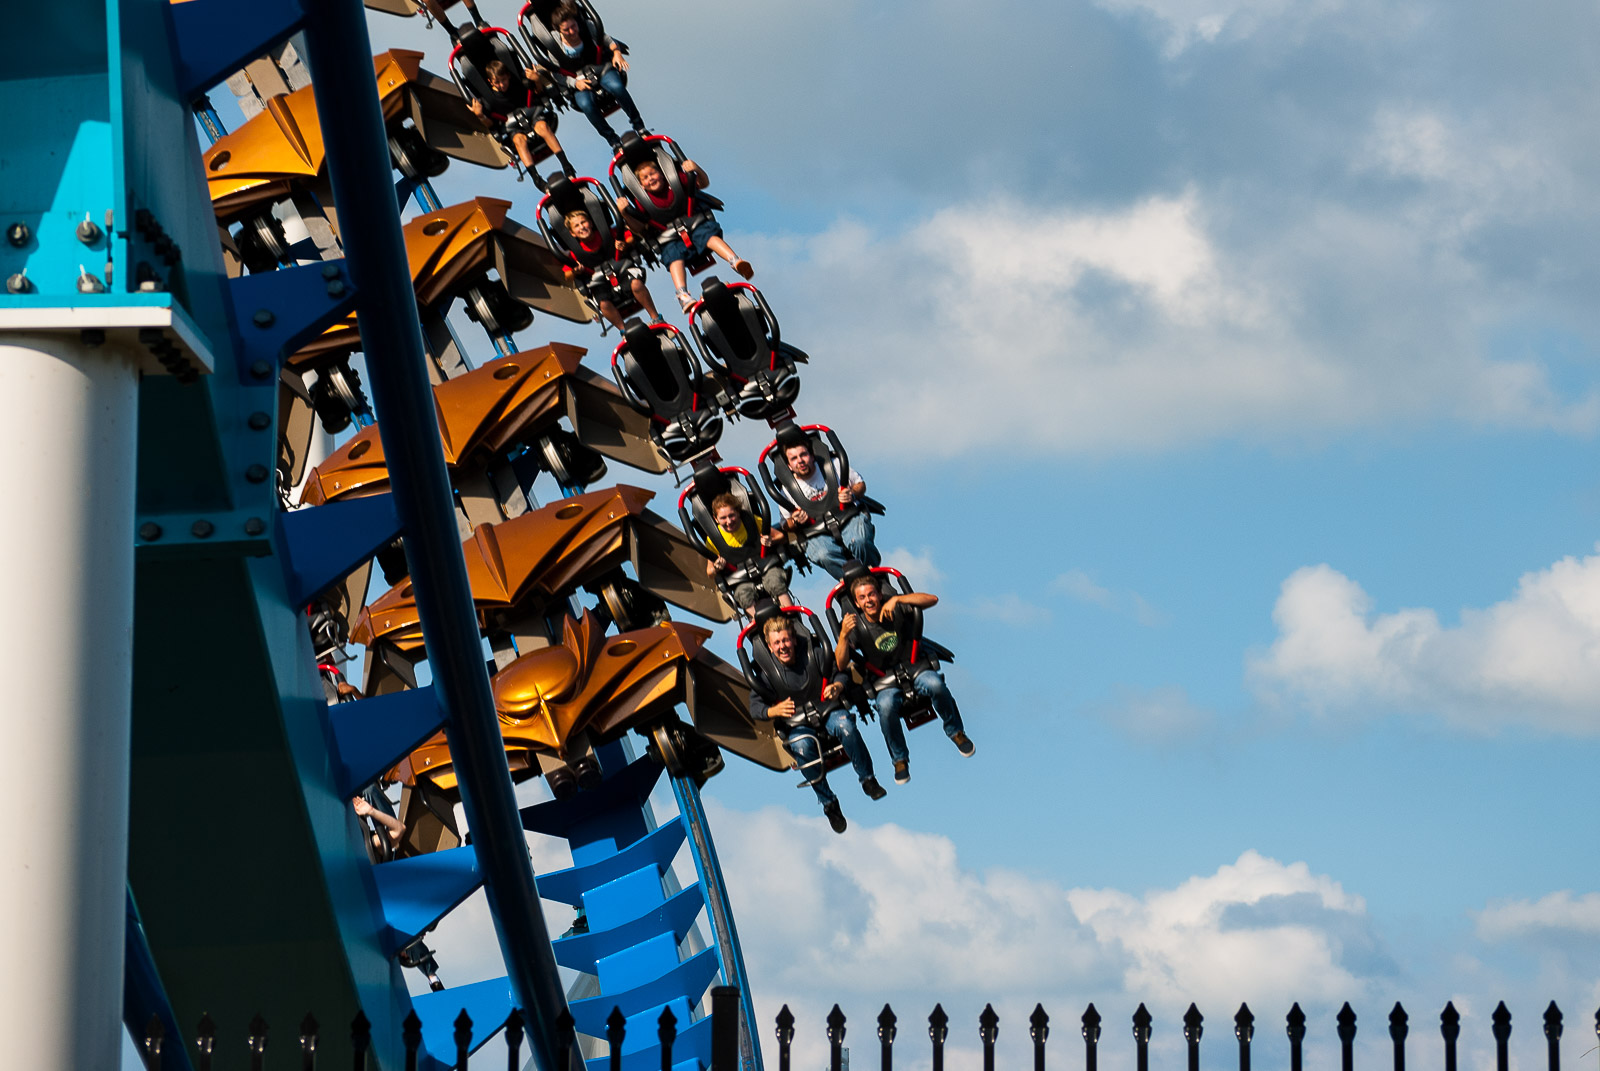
{"points": [[67, 440]]}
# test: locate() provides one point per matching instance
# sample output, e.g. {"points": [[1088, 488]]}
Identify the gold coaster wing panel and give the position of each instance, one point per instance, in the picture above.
{"points": [[560, 702], [519, 567]]}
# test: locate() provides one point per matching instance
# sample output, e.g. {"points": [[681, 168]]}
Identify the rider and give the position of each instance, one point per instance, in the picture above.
{"points": [[601, 271], [762, 572], [589, 58], [516, 104], [792, 700], [878, 632], [822, 548], [704, 235]]}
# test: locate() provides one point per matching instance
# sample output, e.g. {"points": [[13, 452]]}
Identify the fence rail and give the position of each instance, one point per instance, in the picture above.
{"points": [[725, 1037]]}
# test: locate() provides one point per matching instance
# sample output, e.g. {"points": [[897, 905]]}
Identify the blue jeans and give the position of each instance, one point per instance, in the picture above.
{"points": [[929, 683], [841, 725], [611, 81], [707, 229], [828, 552]]}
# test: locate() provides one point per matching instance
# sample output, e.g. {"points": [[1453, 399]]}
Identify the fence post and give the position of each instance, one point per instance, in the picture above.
{"points": [[1450, 1028], [1244, 1028], [258, 1042], [463, 1039], [1192, 1030], [514, 1033], [666, 1033], [1039, 1031], [886, 1033], [616, 1030], [1501, 1028], [939, 1029], [1141, 1037], [565, 1037], [1398, 1031], [988, 1030], [1347, 1037], [1296, 1026], [154, 1035], [1552, 1035], [1091, 1039], [205, 1041], [725, 1028], [360, 1040], [785, 1038], [835, 1040], [308, 1042]]}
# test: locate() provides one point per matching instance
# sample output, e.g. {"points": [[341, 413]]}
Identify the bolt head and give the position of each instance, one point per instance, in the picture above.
{"points": [[335, 288], [263, 318], [256, 474], [18, 235], [88, 232], [18, 284], [202, 529], [260, 369], [330, 271], [149, 531], [254, 526], [260, 420]]}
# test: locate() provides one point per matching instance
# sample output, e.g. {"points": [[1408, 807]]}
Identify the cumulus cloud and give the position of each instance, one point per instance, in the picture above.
{"points": [[1010, 609], [1532, 659], [1189, 22], [1559, 913], [1135, 329], [917, 565], [885, 913], [1077, 584]]}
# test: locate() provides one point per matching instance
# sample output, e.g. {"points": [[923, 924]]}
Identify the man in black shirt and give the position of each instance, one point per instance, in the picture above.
{"points": [[802, 696], [877, 634]]}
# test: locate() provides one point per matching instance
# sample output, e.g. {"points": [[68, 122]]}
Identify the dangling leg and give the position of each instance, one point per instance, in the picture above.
{"points": [[931, 683]]}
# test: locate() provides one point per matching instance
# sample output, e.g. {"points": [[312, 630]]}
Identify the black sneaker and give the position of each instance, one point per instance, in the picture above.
{"points": [[964, 744], [874, 791], [902, 771], [835, 816]]}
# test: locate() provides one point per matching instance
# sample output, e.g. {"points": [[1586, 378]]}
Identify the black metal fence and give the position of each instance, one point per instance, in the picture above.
{"points": [[725, 1037]]}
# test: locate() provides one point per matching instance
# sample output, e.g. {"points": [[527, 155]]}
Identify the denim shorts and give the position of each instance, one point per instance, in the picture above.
{"points": [[702, 232]]}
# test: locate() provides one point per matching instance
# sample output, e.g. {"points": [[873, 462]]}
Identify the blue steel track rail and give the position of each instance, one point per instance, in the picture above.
{"points": [[359, 169]]}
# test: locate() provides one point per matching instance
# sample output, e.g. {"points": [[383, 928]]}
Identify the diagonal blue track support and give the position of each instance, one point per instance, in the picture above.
{"points": [[322, 544], [656, 848], [693, 975], [691, 1050], [581, 951], [277, 312], [213, 38], [371, 735], [417, 892], [487, 1003]]}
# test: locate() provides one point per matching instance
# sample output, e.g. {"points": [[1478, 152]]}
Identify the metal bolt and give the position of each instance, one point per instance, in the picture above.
{"points": [[18, 235], [256, 474], [254, 526], [330, 271], [89, 231], [260, 421], [336, 288], [18, 283], [88, 283], [149, 531], [260, 369], [202, 529], [263, 318]]}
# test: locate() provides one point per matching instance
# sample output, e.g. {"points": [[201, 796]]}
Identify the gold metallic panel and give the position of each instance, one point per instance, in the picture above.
{"points": [[600, 687]]}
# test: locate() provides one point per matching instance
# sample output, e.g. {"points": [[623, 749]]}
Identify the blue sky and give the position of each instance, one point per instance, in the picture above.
{"points": [[1228, 368]]}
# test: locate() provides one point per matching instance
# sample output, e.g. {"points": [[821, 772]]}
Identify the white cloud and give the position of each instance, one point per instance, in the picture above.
{"points": [[917, 566], [884, 913], [1532, 659], [1558, 913], [1189, 22], [1137, 328], [1160, 716], [1010, 609], [1077, 584]]}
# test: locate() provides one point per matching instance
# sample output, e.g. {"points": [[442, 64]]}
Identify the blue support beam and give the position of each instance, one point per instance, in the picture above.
{"points": [[419, 891], [323, 544], [144, 997], [581, 951], [361, 175], [487, 1003], [277, 312], [214, 38], [371, 735], [656, 848]]}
